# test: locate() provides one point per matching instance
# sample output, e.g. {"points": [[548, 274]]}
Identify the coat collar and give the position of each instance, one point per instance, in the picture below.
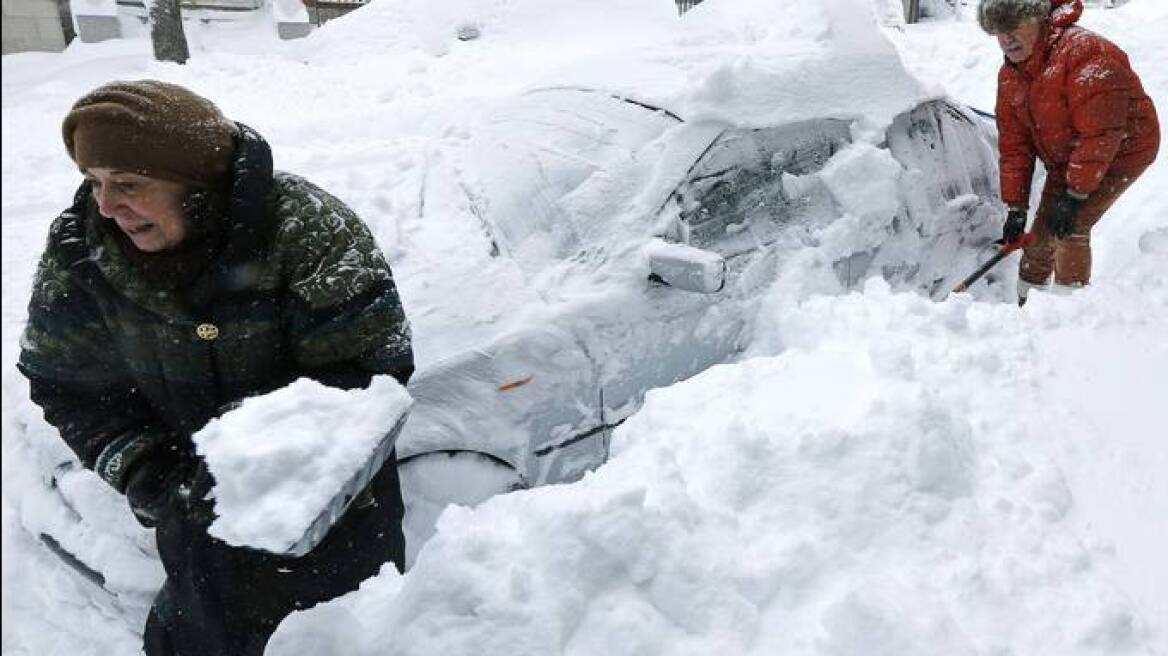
{"points": [[250, 222]]}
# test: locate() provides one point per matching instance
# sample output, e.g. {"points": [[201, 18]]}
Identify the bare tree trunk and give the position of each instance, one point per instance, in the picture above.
{"points": [[66, 15], [912, 11], [166, 31]]}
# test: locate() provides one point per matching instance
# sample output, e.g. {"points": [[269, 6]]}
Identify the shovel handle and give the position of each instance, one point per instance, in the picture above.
{"points": [[1021, 241]]}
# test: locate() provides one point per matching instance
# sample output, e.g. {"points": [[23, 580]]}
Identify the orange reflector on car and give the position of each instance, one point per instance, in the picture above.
{"points": [[515, 383]]}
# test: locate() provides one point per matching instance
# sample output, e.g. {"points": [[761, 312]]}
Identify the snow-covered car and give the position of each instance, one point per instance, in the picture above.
{"points": [[690, 254], [643, 243]]}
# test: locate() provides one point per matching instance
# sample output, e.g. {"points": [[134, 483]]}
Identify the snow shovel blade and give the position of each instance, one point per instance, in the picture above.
{"points": [[1009, 247], [335, 509]]}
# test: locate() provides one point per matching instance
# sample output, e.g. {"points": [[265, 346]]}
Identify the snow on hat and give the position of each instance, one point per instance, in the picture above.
{"points": [[998, 16], [151, 128]]}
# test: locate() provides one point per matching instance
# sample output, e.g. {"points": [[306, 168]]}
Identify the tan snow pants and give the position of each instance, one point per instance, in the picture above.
{"points": [[1070, 258]]}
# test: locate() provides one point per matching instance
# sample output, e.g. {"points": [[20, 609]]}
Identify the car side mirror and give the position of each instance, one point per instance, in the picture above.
{"points": [[686, 267]]}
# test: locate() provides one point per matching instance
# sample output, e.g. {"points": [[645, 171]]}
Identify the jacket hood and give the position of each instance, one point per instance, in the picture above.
{"points": [[1064, 13]]}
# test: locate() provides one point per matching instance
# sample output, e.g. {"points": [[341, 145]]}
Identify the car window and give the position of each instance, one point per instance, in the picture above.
{"points": [[735, 199], [950, 190], [948, 150]]}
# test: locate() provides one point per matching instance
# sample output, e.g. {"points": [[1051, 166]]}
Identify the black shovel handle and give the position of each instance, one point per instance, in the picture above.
{"points": [[1007, 248]]}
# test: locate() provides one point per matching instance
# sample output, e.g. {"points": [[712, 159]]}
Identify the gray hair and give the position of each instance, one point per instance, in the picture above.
{"points": [[998, 16]]}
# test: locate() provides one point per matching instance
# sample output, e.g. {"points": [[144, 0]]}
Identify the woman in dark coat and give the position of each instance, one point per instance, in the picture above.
{"points": [[186, 276]]}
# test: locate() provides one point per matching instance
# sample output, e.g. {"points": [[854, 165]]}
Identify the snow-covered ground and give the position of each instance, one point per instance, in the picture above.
{"points": [[882, 474]]}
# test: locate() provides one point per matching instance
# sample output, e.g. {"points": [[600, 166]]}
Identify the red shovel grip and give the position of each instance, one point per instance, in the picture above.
{"points": [[1005, 249], [1021, 241]]}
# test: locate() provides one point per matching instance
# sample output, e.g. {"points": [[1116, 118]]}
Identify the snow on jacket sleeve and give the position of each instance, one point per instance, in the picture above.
{"points": [[1098, 95], [1016, 146], [74, 374]]}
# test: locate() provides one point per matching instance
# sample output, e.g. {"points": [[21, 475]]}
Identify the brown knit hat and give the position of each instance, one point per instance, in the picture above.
{"points": [[154, 129]]}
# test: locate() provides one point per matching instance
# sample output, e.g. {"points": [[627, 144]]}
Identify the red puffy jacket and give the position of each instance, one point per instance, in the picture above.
{"points": [[1075, 103]]}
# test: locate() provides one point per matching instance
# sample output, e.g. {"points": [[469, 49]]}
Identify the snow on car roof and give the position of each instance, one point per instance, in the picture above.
{"points": [[538, 189], [757, 64], [746, 62]]}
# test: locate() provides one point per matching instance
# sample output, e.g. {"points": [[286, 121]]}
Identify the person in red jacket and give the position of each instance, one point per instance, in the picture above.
{"points": [[1069, 97]]}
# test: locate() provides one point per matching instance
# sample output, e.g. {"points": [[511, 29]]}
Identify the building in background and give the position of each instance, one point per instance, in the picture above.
{"points": [[321, 11], [50, 25], [30, 25]]}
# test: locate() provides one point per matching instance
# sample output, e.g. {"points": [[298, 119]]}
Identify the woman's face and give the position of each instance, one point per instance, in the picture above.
{"points": [[148, 210], [1018, 44]]}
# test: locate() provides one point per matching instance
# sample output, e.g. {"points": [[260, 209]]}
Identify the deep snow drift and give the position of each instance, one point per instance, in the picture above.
{"points": [[881, 475], [890, 484]]}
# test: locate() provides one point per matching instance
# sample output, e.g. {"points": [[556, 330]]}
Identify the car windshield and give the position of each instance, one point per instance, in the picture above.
{"points": [[554, 169]]}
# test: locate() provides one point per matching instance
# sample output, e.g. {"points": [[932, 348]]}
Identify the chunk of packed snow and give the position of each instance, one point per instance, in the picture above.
{"points": [[279, 459], [863, 180]]}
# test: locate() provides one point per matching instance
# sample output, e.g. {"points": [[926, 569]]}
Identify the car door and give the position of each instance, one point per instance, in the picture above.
{"points": [[730, 201]]}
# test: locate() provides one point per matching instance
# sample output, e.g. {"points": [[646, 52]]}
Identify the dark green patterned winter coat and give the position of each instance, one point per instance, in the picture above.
{"points": [[299, 289], [127, 365]]}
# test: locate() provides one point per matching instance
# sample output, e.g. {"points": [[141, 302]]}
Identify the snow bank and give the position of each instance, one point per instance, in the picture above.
{"points": [[279, 459], [48, 607], [758, 63], [455, 27], [444, 49], [892, 483], [908, 478]]}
